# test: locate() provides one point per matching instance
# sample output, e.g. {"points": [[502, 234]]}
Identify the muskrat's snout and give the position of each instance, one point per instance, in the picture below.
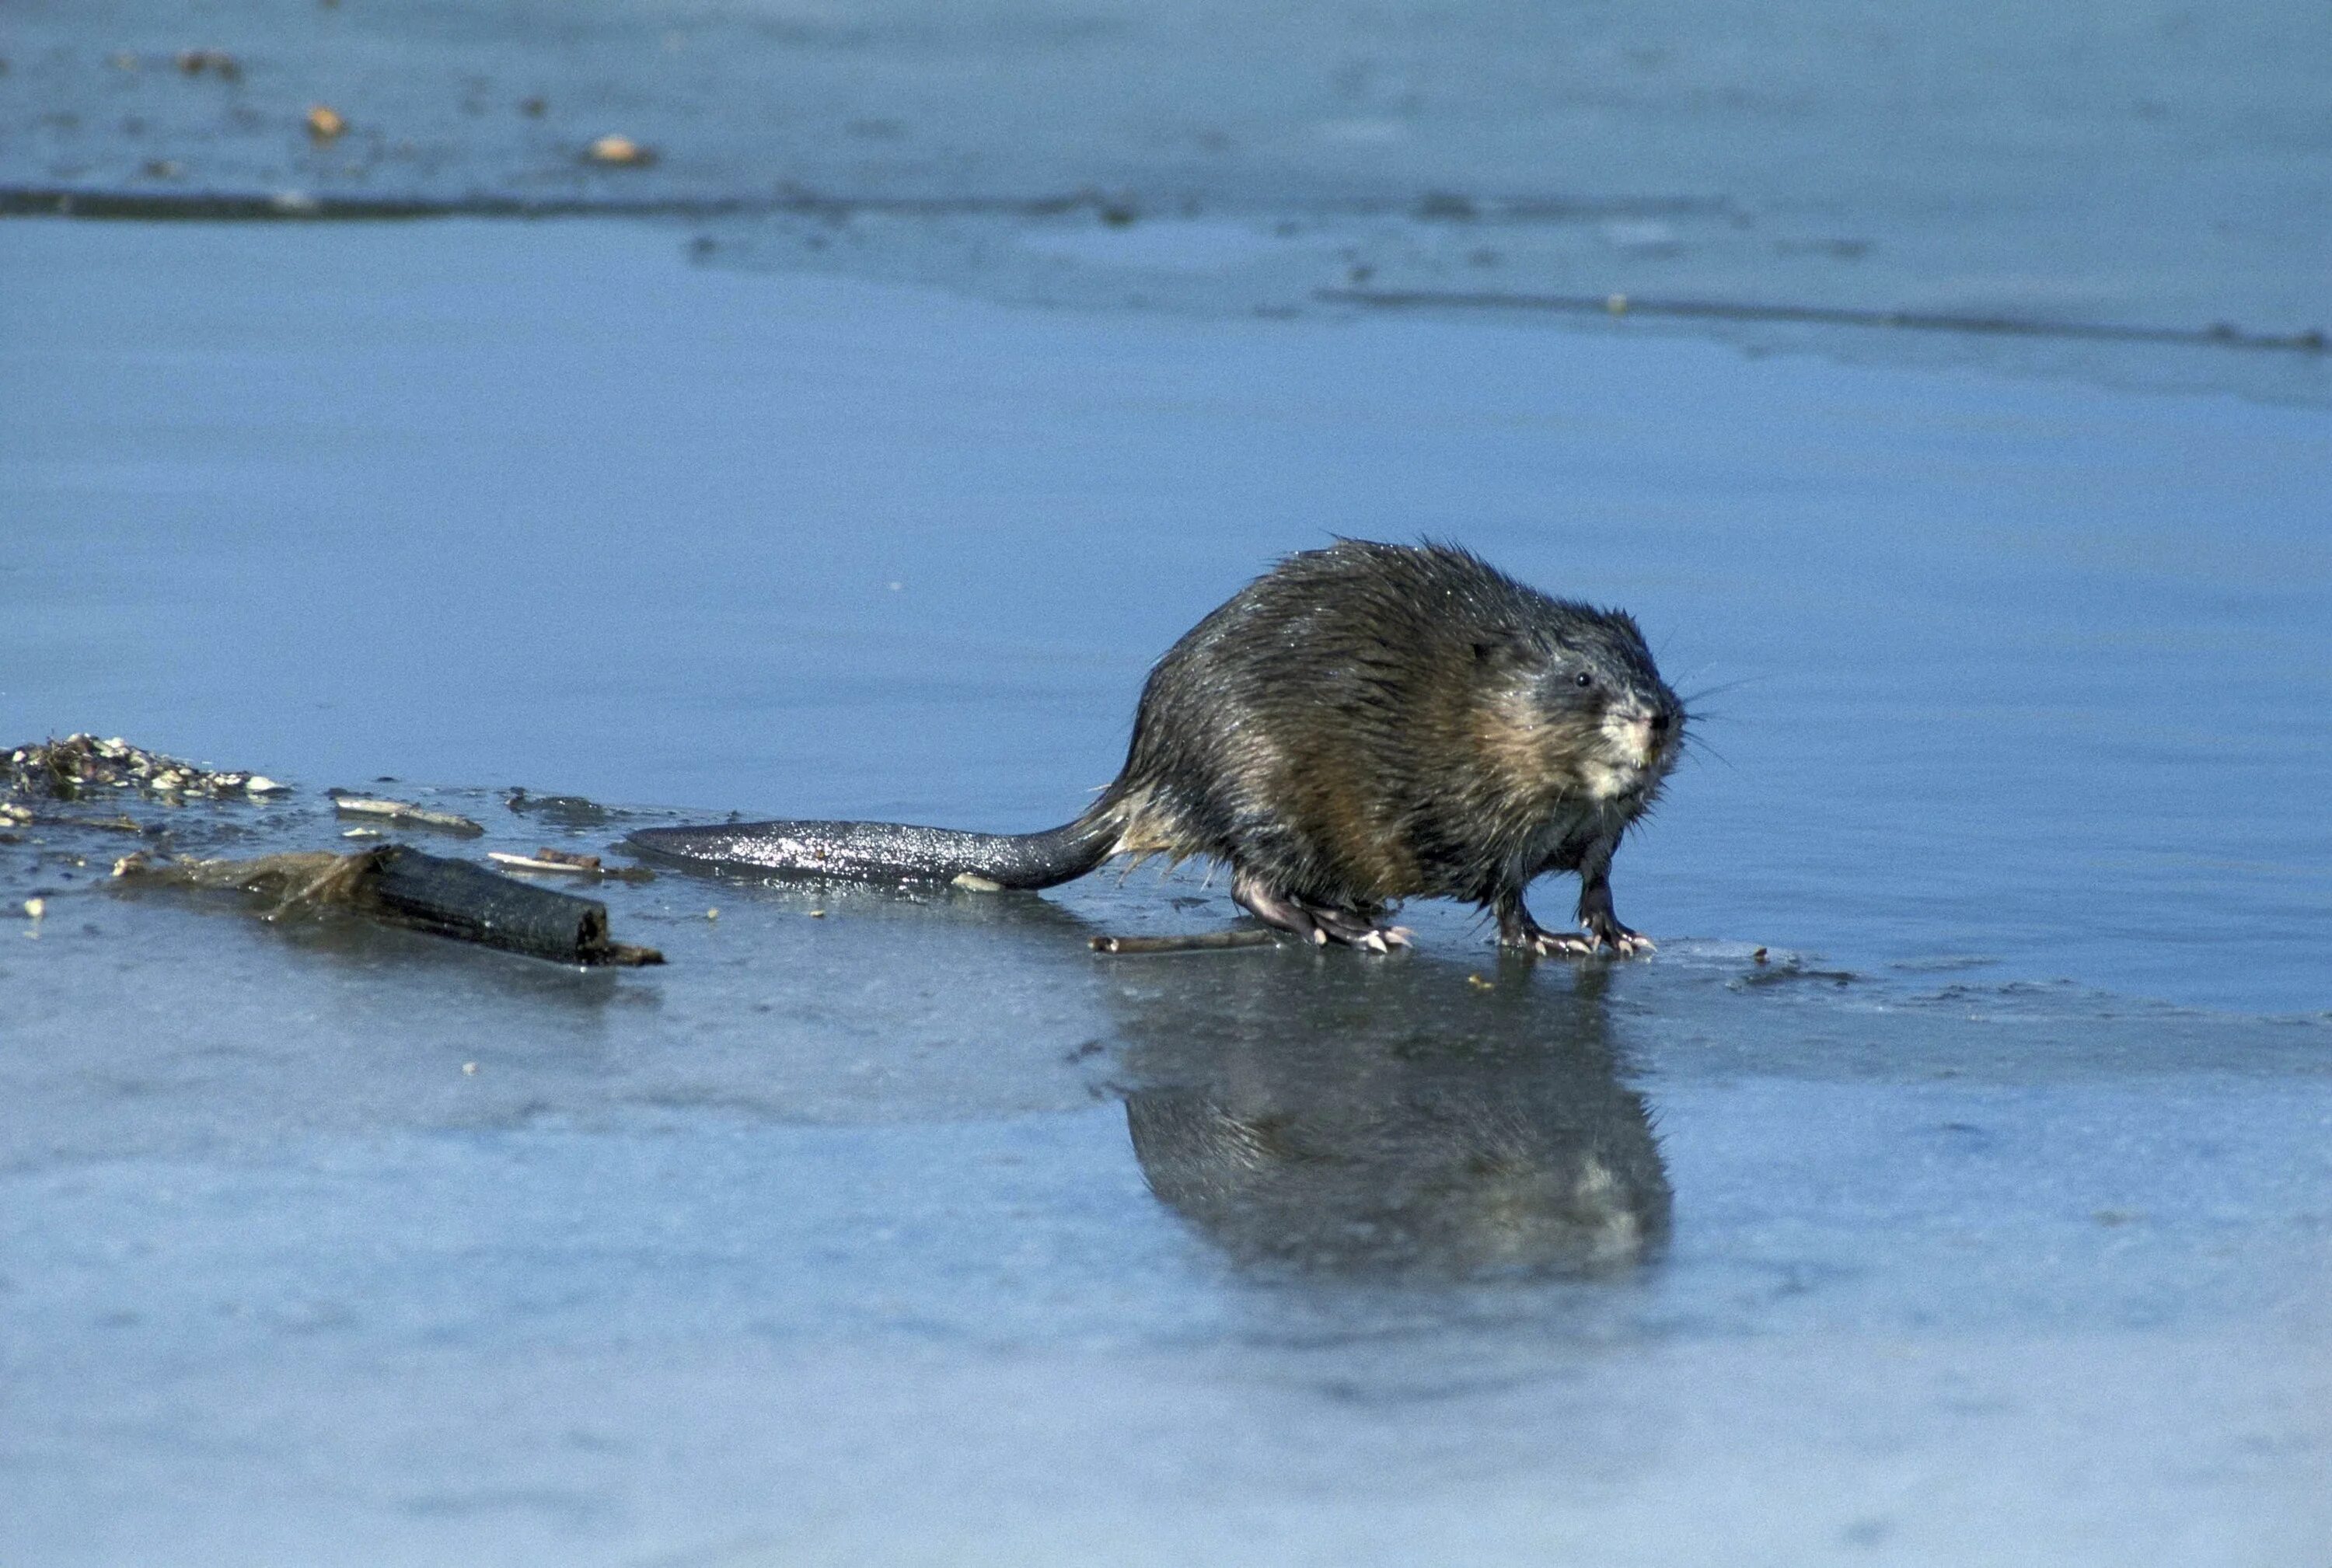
{"points": [[1635, 737], [1667, 721], [1640, 734]]}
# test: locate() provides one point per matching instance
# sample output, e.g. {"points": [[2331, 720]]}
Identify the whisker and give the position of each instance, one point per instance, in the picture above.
{"points": [[1722, 688], [1700, 744]]}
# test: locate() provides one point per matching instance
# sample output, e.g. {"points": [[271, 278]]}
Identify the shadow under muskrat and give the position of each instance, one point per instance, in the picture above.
{"points": [[1416, 1122]]}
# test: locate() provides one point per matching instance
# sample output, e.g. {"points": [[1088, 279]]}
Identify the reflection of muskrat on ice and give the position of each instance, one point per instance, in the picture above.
{"points": [[1360, 724], [1392, 1123]]}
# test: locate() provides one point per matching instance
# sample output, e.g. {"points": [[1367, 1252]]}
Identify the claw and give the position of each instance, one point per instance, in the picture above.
{"points": [[1527, 935], [1619, 939]]}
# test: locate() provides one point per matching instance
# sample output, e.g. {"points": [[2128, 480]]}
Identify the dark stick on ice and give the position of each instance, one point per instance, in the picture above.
{"points": [[397, 885], [470, 903]]}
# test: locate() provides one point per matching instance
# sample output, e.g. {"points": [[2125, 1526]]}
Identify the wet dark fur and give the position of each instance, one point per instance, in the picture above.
{"points": [[1360, 724]]}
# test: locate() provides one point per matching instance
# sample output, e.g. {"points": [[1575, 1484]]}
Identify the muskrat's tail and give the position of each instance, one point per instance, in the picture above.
{"points": [[896, 852]]}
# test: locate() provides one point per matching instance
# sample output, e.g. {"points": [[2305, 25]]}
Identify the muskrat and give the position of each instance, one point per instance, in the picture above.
{"points": [[1360, 724]]}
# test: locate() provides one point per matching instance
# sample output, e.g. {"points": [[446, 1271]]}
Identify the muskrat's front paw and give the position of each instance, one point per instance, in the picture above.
{"points": [[1627, 943], [1540, 943]]}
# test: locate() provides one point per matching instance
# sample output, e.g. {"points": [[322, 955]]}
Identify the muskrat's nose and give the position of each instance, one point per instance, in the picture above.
{"points": [[1660, 723]]}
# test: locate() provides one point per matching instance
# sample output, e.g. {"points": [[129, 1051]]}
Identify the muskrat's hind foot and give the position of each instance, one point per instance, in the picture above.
{"points": [[1357, 931], [1317, 923]]}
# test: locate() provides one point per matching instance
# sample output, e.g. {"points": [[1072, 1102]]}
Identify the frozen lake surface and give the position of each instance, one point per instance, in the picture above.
{"points": [[976, 353], [1994, 1206]]}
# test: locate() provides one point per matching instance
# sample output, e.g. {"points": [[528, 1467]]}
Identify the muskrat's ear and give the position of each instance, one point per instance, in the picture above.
{"points": [[1500, 651]]}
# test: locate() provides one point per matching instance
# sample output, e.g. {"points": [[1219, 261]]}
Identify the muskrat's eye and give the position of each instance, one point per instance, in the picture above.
{"points": [[1582, 680]]}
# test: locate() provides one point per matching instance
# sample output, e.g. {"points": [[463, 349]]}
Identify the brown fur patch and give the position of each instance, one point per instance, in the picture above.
{"points": [[1523, 751], [1337, 815]]}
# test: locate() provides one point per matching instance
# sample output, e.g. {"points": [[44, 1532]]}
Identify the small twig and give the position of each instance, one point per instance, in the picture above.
{"points": [[1201, 941], [404, 811], [566, 865], [124, 823], [510, 861]]}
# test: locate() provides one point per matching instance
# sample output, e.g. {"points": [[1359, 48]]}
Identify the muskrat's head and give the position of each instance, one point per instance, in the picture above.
{"points": [[1579, 707]]}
